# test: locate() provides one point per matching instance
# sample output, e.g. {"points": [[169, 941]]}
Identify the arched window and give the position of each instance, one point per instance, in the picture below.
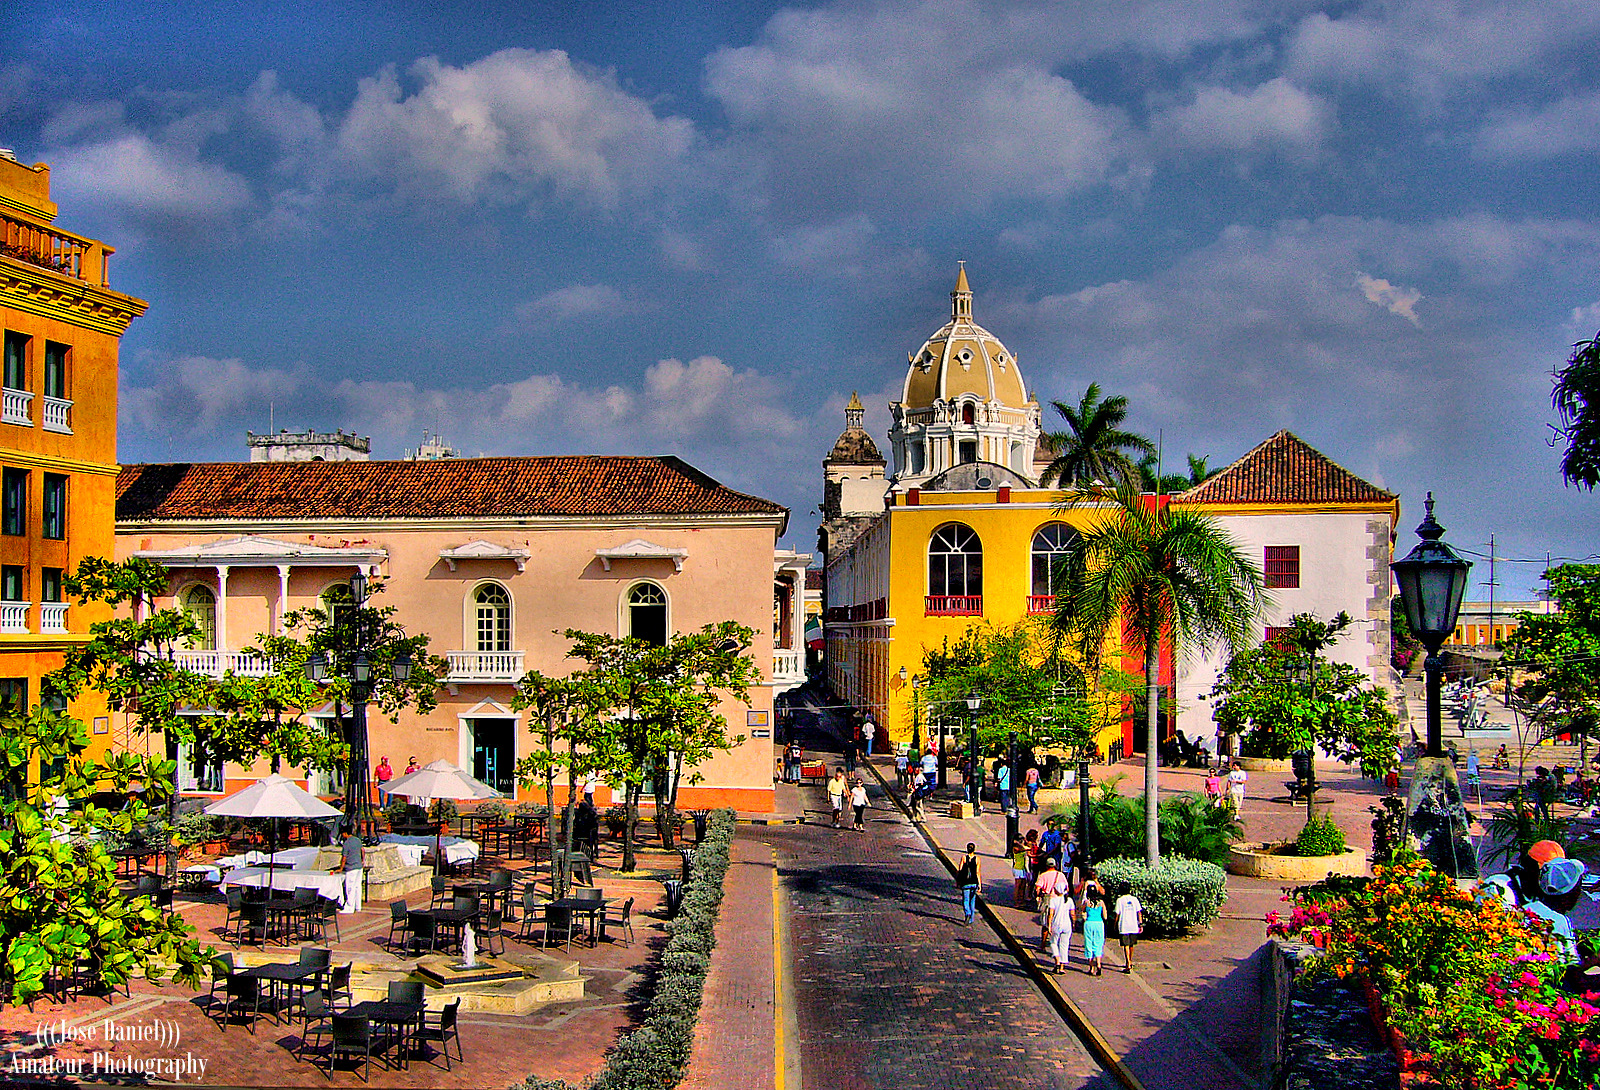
{"points": [[969, 413], [647, 614], [201, 605], [955, 563], [492, 607], [1049, 542]]}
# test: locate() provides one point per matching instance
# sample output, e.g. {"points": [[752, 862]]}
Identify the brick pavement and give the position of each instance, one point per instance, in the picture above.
{"points": [[890, 989]]}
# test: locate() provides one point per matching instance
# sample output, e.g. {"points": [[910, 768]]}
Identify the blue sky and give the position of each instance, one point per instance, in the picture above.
{"points": [[695, 229]]}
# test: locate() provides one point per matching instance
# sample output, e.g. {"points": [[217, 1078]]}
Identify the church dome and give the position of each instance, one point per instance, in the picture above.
{"points": [[963, 358], [854, 447]]}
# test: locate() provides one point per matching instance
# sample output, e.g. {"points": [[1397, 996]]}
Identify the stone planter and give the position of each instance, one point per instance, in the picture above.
{"points": [[1265, 764], [1274, 862]]}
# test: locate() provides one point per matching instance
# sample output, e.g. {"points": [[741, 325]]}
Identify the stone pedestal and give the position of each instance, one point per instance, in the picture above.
{"points": [[1437, 821]]}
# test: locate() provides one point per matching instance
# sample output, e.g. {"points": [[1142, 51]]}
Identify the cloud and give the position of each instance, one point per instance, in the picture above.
{"points": [[194, 395], [1569, 125], [573, 301], [1391, 297], [519, 125], [1273, 114], [148, 183]]}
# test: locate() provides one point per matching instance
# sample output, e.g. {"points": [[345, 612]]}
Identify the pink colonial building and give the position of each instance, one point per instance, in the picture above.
{"points": [[491, 558]]}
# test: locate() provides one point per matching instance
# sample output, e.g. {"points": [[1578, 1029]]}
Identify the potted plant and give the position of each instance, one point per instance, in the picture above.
{"points": [[616, 820]]}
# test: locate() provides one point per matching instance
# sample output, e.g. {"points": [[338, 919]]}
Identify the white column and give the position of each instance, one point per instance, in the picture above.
{"points": [[222, 611], [283, 596]]}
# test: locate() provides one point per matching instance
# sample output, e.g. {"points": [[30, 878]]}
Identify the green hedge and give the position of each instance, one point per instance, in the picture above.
{"points": [[654, 1056], [1180, 896]]}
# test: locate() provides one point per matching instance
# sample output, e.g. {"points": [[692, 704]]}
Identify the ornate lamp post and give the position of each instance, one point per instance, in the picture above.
{"points": [[1432, 581], [355, 663], [974, 702]]}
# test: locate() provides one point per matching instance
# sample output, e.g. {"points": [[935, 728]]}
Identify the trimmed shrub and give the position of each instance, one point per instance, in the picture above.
{"points": [[1320, 836], [492, 810], [1179, 896]]}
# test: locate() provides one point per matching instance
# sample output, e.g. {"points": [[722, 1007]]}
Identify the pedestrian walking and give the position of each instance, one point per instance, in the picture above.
{"points": [[970, 878], [930, 766], [1543, 790], [1058, 926], [1030, 780], [902, 770], [919, 790], [1130, 925], [1214, 787], [383, 774], [791, 762], [836, 793], [1094, 928], [1050, 882], [858, 802], [1002, 782], [350, 852], [1021, 875], [869, 731], [1237, 778]]}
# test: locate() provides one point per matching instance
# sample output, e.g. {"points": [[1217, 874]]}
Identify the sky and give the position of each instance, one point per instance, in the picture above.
{"points": [[695, 229]]}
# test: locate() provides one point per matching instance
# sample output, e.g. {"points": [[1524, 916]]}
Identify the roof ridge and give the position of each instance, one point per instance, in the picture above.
{"points": [[1284, 468]]}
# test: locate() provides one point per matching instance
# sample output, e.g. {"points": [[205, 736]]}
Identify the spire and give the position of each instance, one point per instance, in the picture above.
{"points": [[961, 298], [854, 413]]}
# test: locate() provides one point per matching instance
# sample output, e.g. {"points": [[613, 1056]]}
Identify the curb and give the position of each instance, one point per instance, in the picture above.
{"points": [[1091, 1037]]}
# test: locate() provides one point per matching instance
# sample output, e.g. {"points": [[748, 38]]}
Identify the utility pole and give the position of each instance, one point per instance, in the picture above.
{"points": [[1491, 590]]}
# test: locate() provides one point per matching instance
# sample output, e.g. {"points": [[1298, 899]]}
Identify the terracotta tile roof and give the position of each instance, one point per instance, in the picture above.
{"points": [[580, 485], [1285, 470]]}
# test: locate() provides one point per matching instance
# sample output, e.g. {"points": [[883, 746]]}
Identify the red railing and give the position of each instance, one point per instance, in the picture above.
{"points": [[80, 258], [955, 605], [1041, 603]]}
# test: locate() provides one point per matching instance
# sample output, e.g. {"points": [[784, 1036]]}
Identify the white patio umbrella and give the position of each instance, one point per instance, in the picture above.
{"points": [[440, 780], [274, 797]]}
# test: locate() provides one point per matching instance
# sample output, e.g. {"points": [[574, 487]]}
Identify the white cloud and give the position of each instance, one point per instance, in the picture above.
{"points": [[1391, 297], [518, 125], [1276, 113], [573, 301], [1571, 124], [195, 395], [147, 182]]}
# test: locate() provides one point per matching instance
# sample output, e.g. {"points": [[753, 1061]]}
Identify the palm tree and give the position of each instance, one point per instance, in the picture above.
{"points": [[1168, 483], [1577, 399], [1093, 448], [1148, 569]]}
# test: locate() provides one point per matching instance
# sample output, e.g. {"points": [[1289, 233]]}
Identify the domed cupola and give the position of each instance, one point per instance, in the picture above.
{"points": [[964, 401]]}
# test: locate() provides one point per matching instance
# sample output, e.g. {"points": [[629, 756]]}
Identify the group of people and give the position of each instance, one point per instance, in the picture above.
{"points": [[1225, 787], [383, 774], [851, 791], [1546, 884]]}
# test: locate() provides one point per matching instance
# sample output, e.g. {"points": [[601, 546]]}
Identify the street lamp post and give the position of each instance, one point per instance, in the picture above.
{"points": [[974, 762], [1432, 581], [1011, 772], [355, 663], [1083, 805]]}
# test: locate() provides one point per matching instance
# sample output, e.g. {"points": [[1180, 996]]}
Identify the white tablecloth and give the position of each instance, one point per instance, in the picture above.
{"points": [[456, 850], [329, 885], [286, 857]]}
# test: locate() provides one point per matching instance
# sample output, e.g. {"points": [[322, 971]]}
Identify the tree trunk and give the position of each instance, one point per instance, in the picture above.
{"points": [[631, 794], [563, 880], [664, 811], [550, 788], [1152, 760]]}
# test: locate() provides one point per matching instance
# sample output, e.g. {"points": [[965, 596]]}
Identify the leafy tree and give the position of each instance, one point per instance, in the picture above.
{"points": [[1094, 447], [1025, 684], [59, 898], [1144, 569], [1281, 703], [1577, 399], [1558, 653]]}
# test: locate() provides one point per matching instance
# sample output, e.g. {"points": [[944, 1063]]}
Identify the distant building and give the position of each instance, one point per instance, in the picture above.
{"points": [[1481, 625], [491, 558], [58, 436], [433, 447], [308, 446]]}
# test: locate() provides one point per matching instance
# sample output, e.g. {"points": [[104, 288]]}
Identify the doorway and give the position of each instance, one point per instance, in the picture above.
{"points": [[494, 753]]}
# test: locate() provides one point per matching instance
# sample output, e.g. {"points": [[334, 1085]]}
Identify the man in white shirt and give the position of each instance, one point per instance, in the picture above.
{"points": [[1237, 778], [869, 731], [1130, 925]]}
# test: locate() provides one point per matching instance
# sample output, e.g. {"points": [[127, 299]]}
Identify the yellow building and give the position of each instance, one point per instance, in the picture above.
{"points": [[58, 433], [960, 533]]}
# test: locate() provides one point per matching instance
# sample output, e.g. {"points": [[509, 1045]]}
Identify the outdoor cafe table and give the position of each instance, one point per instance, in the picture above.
{"points": [[285, 973], [389, 1012], [456, 850], [592, 907], [327, 884]]}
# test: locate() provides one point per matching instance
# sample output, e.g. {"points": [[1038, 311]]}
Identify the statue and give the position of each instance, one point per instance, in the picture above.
{"points": [[469, 948]]}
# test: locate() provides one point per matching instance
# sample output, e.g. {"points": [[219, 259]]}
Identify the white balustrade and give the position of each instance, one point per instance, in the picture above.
{"points": [[14, 616], [487, 666], [57, 415], [217, 663], [14, 406], [52, 617]]}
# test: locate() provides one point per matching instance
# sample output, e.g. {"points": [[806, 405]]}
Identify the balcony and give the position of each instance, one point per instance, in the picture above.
{"points": [[60, 252], [788, 670], [14, 616], [14, 407], [217, 663], [57, 414], [52, 616], [955, 605], [1041, 603], [494, 667]]}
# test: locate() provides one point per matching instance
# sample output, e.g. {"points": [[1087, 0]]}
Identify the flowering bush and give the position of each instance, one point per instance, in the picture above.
{"points": [[1471, 985]]}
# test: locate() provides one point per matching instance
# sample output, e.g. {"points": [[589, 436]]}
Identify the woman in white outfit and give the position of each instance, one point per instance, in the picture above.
{"points": [[1060, 917]]}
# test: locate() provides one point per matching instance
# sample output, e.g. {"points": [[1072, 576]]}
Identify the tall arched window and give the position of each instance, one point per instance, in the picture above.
{"points": [[492, 607], [955, 571], [969, 413], [1049, 542], [201, 605], [647, 614]]}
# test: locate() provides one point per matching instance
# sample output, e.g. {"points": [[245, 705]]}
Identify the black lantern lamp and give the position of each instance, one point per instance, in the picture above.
{"points": [[400, 668], [358, 587], [317, 667], [1432, 581]]}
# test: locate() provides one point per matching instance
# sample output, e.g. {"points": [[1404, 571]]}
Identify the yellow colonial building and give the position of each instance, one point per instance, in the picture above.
{"points": [[62, 327], [959, 533]]}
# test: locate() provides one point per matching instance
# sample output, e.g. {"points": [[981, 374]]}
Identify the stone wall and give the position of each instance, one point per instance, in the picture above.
{"points": [[1317, 1034]]}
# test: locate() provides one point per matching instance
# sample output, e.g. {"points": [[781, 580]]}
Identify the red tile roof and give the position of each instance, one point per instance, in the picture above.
{"points": [[580, 485], [1285, 470]]}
